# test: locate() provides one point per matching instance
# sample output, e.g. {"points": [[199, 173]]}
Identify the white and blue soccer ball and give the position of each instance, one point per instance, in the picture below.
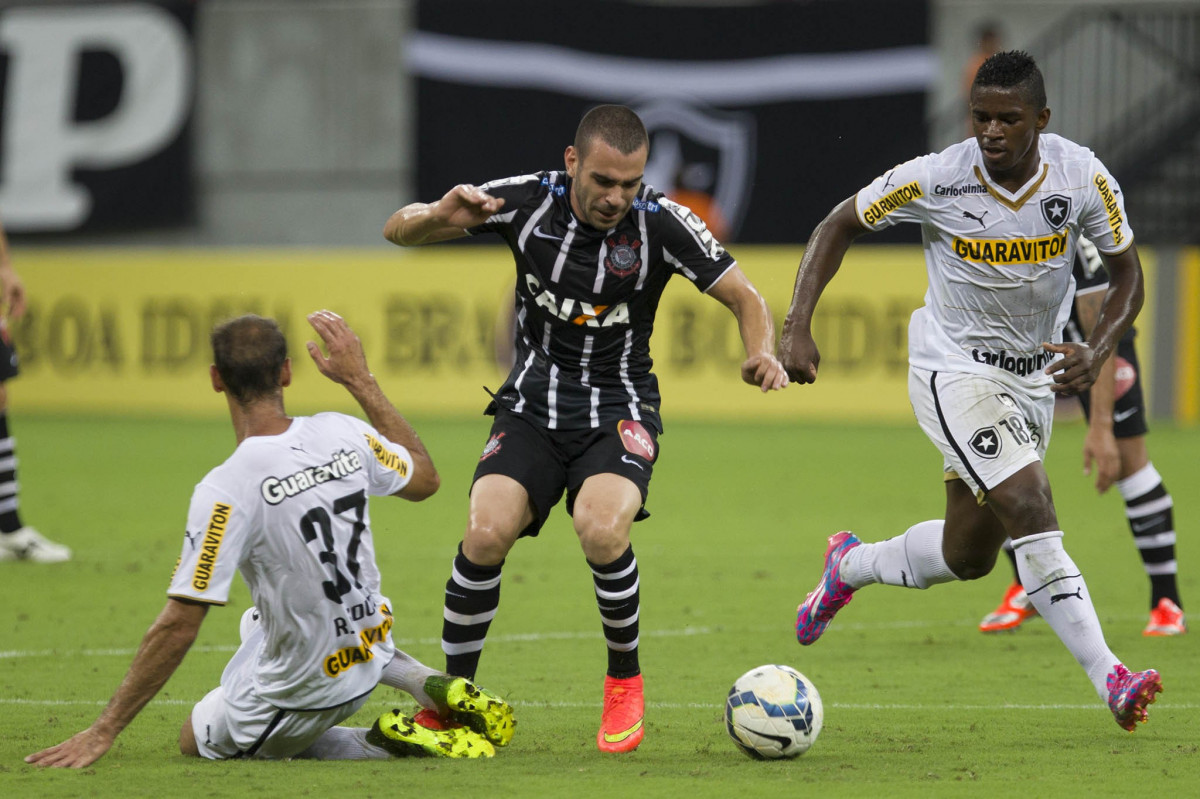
{"points": [[773, 712]]}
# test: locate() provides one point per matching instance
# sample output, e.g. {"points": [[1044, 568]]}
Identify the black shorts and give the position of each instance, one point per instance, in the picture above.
{"points": [[546, 462], [1129, 409], [8, 354]]}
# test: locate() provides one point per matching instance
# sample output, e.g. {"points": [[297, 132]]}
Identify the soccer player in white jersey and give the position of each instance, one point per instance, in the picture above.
{"points": [[289, 511], [999, 217]]}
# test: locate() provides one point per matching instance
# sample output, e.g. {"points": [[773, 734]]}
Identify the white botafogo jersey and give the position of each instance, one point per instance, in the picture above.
{"points": [[290, 513], [999, 263]]}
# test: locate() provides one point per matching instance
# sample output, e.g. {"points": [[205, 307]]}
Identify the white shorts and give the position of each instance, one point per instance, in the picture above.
{"points": [[233, 721], [986, 428]]}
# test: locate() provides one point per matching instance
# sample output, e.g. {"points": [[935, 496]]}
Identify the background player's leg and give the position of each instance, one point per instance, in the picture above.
{"points": [[499, 511], [18, 542], [10, 518], [1149, 509]]}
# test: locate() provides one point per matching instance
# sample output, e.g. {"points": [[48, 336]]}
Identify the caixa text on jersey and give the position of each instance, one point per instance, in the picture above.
{"points": [[577, 311]]}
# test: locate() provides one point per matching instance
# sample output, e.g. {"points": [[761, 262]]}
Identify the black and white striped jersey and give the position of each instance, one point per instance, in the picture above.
{"points": [[586, 299]]}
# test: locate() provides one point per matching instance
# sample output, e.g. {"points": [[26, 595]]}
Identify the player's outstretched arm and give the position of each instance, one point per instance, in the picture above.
{"points": [[735, 291], [162, 650], [347, 365], [462, 207], [822, 257]]}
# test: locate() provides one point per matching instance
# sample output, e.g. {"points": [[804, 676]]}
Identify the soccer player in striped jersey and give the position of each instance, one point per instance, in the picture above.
{"points": [[594, 248], [1000, 218], [288, 510], [1115, 448]]}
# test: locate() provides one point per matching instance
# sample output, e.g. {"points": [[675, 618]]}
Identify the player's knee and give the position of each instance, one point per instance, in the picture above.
{"points": [[1024, 507], [971, 547], [187, 740], [972, 566], [487, 544], [603, 537]]}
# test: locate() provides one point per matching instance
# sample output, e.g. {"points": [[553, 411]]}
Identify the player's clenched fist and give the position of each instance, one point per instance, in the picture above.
{"points": [[799, 356]]}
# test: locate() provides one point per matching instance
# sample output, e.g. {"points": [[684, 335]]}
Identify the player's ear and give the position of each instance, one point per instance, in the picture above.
{"points": [[215, 377], [285, 374], [1043, 119], [571, 158]]}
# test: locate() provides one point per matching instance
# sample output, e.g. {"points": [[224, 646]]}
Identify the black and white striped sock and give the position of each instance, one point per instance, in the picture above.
{"points": [[1150, 511], [10, 519], [617, 597], [472, 597]]}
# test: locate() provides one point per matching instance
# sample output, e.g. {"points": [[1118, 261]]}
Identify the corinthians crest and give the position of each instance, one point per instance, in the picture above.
{"points": [[623, 258]]}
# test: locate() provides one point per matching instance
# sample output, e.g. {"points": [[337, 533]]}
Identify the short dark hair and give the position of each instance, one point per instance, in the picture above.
{"points": [[615, 125], [1014, 69], [249, 353]]}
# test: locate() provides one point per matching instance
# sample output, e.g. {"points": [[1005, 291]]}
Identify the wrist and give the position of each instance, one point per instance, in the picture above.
{"points": [[793, 326], [361, 384], [107, 728]]}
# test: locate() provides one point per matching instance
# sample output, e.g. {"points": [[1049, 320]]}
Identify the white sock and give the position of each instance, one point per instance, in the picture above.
{"points": [[912, 560], [1060, 595], [409, 674], [1140, 482], [344, 743]]}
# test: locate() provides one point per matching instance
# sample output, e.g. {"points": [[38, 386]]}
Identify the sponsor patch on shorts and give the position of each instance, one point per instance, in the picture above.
{"points": [[636, 440]]}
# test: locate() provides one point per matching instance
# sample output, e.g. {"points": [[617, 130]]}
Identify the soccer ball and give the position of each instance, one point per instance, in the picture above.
{"points": [[773, 712]]}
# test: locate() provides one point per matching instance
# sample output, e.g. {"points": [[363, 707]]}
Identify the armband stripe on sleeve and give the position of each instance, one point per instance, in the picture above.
{"points": [[214, 534], [389, 459]]}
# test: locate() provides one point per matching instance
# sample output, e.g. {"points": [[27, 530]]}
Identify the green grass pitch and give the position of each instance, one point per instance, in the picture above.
{"points": [[917, 702]]}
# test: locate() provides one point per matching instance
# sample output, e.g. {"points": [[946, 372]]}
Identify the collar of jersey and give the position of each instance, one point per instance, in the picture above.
{"points": [[1002, 195]]}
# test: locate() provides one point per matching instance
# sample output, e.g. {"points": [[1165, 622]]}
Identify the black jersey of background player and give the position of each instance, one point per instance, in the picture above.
{"points": [[1090, 275], [586, 299]]}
